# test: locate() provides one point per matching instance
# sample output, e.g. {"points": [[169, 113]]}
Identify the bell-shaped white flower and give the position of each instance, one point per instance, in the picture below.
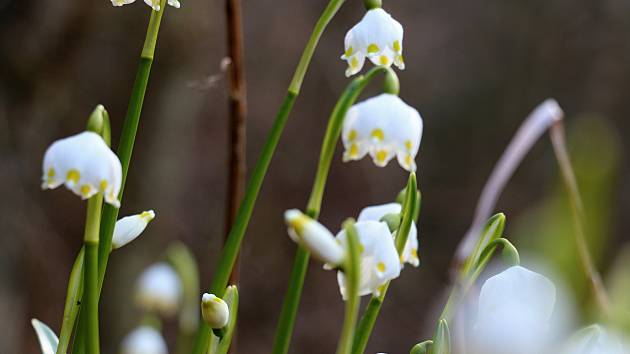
{"points": [[376, 212], [596, 339], [314, 237], [130, 227], [515, 308], [377, 37], [144, 340], [379, 260], [215, 311], [85, 164], [383, 126], [159, 289], [155, 4]]}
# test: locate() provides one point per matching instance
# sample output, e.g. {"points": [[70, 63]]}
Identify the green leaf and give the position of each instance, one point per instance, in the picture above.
{"points": [[48, 340], [441, 339], [421, 348]]}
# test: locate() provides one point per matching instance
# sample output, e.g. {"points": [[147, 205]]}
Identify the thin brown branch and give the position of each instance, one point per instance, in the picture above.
{"points": [[557, 134]]}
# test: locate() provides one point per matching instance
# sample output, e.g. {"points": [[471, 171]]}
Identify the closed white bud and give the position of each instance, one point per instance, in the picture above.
{"points": [[314, 237], [85, 165], [130, 227], [144, 340], [159, 289], [215, 311]]}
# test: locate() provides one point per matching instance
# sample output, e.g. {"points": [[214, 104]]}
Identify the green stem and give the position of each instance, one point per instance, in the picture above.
{"points": [[284, 330], [71, 308], [410, 212], [352, 274], [235, 237], [92, 225]]}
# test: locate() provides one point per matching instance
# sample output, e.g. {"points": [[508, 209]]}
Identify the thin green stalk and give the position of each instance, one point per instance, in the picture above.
{"points": [[235, 237], [71, 308], [411, 210], [92, 225], [352, 273], [284, 330]]}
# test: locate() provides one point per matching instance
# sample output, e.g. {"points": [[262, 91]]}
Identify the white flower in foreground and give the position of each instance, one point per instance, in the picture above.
{"points": [[376, 212], [144, 340], [48, 341], [159, 289], [378, 37], [383, 126], [215, 311], [596, 339], [378, 257], [85, 164], [515, 307], [155, 4], [130, 227], [314, 237]]}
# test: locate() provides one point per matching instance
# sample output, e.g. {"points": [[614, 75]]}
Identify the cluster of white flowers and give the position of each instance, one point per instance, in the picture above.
{"points": [[379, 259]]}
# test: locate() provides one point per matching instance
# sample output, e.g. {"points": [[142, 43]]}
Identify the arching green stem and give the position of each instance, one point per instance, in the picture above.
{"points": [[352, 271]]}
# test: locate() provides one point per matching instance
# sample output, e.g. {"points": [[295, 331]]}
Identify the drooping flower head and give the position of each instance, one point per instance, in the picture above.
{"points": [[159, 289], [144, 340], [129, 228], [383, 126], [515, 307], [155, 4], [379, 260], [377, 37], [376, 212], [85, 165]]}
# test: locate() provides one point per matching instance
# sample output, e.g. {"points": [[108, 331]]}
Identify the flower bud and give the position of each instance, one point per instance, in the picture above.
{"points": [[130, 227], [314, 237], [214, 311]]}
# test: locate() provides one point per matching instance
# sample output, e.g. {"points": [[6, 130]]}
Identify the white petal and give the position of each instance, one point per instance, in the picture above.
{"points": [[174, 3], [159, 289], [314, 237], [376, 212], [155, 4], [130, 227], [596, 339], [214, 310], [48, 340], [122, 2], [144, 340], [85, 164]]}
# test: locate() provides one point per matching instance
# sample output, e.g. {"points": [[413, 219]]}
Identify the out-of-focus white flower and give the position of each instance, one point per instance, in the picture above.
{"points": [[515, 307], [144, 340], [130, 227], [47, 338], [596, 339], [379, 260], [85, 164], [383, 126], [314, 237], [159, 289], [214, 311], [376, 212], [378, 37], [155, 4]]}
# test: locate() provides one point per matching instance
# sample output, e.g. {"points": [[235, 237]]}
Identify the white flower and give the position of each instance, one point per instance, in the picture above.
{"points": [[376, 212], [144, 340], [130, 227], [214, 311], [85, 164], [159, 289], [379, 260], [378, 37], [515, 308], [596, 339], [155, 4], [383, 126], [314, 237], [48, 340]]}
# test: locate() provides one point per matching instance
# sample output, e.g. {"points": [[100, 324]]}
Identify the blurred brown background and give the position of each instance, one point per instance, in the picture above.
{"points": [[474, 70]]}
